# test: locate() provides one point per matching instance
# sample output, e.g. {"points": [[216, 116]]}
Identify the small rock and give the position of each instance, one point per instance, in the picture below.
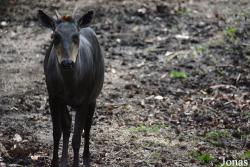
{"points": [[3, 23], [159, 97], [142, 11], [118, 40], [34, 157], [142, 103], [113, 70], [17, 138], [202, 23], [163, 76], [182, 36], [2, 164], [135, 28], [141, 64], [12, 34]]}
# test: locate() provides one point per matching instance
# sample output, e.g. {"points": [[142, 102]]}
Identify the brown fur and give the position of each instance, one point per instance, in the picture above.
{"points": [[67, 18]]}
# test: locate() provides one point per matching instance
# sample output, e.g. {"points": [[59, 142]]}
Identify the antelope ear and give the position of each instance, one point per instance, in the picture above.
{"points": [[86, 19], [46, 20]]}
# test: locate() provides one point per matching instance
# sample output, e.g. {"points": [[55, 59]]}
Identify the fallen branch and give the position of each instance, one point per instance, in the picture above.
{"points": [[223, 86]]}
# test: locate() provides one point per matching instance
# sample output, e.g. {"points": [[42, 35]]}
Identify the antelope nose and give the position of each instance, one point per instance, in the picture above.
{"points": [[67, 64]]}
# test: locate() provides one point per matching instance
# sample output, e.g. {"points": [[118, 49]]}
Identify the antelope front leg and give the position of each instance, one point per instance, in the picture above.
{"points": [[56, 109], [80, 118], [87, 127], [66, 128]]}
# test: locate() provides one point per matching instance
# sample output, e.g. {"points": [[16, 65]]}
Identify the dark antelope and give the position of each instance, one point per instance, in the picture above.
{"points": [[74, 72]]}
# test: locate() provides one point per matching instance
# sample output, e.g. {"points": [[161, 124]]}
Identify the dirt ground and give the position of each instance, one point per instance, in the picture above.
{"points": [[148, 114]]}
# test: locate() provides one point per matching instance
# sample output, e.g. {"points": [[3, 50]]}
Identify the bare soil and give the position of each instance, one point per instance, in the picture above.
{"points": [[145, 116]]}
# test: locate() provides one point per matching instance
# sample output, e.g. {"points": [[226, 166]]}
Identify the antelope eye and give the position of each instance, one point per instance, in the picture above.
{"points": [[75, 38], [56, 39]]}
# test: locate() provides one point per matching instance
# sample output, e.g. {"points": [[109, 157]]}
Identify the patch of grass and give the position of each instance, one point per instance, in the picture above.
{"points": [[214, 137], [248, 114], [155, 155], [220, 72], [245, 155], [148, 129], [178, 74], [201, 50], [183, 11], [215, 42], [204, 158], [230, 33], [216, 134]]}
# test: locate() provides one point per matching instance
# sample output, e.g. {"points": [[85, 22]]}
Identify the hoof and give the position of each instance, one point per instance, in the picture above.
{"points": [[75, 165], [86, 163], [54, 163], [86, 160], [64, 164], [76, 162]]}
